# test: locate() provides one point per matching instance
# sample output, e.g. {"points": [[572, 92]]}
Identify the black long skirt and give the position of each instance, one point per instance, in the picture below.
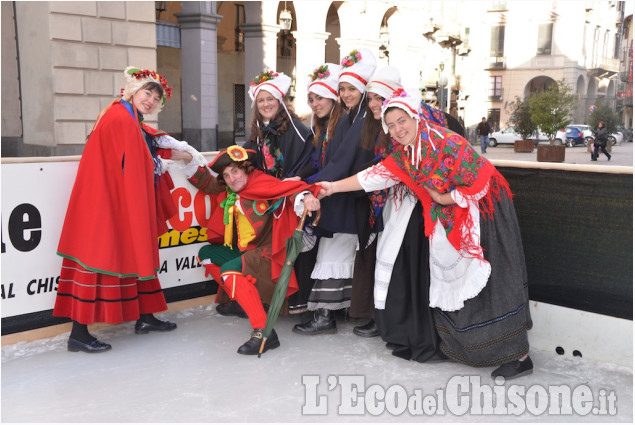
{"points": [[407, 320], [491, 328]]}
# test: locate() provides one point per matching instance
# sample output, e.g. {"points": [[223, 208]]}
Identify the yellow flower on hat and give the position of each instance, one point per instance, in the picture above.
{"points": [[237, 153]]}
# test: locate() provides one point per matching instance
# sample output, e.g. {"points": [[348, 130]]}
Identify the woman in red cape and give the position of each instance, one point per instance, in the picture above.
{"points": [[118, 207]]}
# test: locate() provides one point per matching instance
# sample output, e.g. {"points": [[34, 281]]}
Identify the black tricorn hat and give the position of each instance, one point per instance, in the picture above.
{"points": [[233, 154]]}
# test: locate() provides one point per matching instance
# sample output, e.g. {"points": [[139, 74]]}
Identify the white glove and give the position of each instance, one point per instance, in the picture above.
{"points": [[188, 169], [166, 164], [168, 142], [298, 204], [196, 156]]}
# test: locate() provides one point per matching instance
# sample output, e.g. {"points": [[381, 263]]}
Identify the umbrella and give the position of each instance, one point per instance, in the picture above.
{"points": [[293, 247]]}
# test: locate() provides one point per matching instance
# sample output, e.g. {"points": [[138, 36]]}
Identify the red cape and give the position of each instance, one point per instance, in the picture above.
{"points": [[263, 187], [111, 220]]}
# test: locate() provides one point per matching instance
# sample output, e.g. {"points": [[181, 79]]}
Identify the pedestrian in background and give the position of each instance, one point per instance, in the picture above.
{"points": [[601, 137], [483, 130]]}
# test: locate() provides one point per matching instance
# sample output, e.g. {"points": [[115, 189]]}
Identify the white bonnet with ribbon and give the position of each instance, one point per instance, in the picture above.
{"points": [[401, 99], [324, 81], [385, 82], [357, 68], [274, 82]]}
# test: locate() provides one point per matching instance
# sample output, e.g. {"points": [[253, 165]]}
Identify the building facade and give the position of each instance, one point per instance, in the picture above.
{"points": [[62, 62]]}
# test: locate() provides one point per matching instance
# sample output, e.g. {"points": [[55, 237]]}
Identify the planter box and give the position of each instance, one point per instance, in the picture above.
{"points": [[523, 146], [550, 153]]}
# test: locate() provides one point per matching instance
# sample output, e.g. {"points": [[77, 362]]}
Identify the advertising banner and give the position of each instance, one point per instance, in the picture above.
{"points": [[34, 200]]}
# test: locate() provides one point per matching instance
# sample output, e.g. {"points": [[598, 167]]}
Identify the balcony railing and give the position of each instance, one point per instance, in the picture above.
{"points": [[605, 68]]}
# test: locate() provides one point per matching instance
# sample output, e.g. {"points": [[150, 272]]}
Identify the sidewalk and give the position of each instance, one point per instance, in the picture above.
{"points": [[194, 375], [620, 155]]}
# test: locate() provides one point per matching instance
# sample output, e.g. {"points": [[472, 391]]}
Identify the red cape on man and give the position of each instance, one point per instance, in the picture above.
{"points": [[263, 187]]}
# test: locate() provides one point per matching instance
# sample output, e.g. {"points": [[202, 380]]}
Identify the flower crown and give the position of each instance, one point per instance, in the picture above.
{"points": [[400, 92], [141, 74], [264, 76], [352, 58], [320, 72]]}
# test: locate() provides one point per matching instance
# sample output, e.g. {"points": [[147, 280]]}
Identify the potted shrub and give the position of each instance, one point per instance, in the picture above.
{"points": [[523, 125], [550, 110]]}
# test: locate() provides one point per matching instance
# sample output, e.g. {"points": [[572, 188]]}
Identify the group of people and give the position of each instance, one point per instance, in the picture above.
{"points": [[418, 233]]}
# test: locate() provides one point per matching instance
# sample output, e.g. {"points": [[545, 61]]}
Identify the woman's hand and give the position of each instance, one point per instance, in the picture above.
{"points": [[311, 203], [440, 198], [184, 156], [327, 189]]}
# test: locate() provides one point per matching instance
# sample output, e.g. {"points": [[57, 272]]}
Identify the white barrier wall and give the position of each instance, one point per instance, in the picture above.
{"points": [[34, 200]]}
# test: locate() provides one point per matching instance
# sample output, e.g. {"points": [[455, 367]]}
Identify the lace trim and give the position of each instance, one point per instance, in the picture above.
{"points": [[325, 271]]}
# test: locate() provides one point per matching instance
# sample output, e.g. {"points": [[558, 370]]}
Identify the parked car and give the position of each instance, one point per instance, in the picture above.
{"points": [[584, 128], [509, 136], [616, 138], [573, 136], [627, 133]]}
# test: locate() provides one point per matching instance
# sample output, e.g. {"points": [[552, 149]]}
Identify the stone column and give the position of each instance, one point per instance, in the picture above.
{"points": [[199, 75], [260, 52], [309, 55]]}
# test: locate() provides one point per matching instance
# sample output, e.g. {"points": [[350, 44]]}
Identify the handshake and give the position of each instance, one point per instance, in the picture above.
{"points": [[184, 157], [326, 189]]}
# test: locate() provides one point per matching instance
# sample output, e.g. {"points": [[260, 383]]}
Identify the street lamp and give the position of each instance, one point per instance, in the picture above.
{"points": [[285, 18], [442, 83], [384, 38]]}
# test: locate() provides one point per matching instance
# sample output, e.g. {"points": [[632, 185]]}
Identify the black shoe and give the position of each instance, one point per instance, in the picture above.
{"points": [[609, 157], [94, 346], [252, 346], [323, 322], [514, 369], [142, 327], [231, 309], [369, 330]]}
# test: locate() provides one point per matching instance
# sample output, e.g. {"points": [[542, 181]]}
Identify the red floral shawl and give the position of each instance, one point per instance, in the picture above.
{"points": [[448, 163]]}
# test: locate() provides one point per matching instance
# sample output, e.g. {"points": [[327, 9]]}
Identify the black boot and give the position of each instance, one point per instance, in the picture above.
{"points": [[369, 330], [252, 346], [323, 322], [514, 369], [231, 309]]}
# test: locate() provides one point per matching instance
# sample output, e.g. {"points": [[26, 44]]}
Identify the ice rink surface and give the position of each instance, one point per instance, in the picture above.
{"points": [[194, 374]]}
